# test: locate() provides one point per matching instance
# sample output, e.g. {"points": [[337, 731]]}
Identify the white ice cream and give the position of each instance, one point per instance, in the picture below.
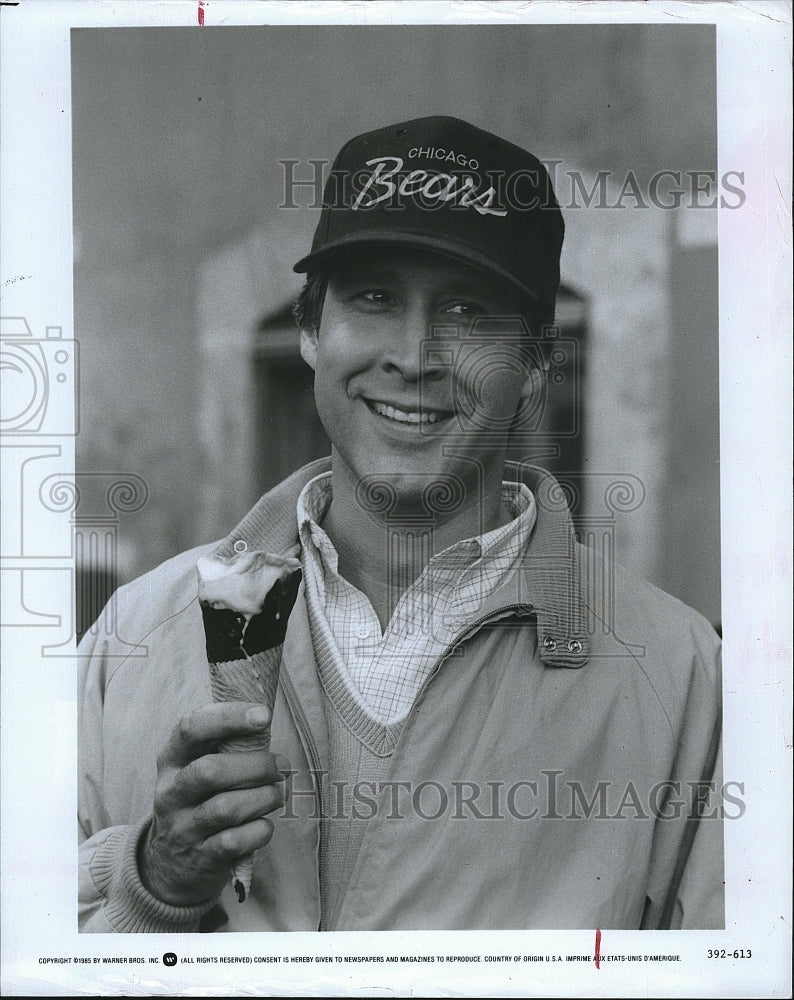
{"points": [[242, 581]]}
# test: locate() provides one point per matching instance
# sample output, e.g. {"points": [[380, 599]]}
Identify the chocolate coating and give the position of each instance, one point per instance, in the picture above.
{"points": [[223, 631], [268, 628], [227, 637]]}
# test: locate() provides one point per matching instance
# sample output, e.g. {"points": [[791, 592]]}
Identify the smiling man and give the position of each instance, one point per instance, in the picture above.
{"points": [[463, 739], [409, 415]]}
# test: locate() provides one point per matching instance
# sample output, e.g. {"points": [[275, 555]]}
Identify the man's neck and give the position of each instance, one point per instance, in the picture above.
{"points": [[382, 556]]}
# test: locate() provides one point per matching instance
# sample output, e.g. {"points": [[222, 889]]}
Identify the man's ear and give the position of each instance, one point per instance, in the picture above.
{"points": [[309, 347]]}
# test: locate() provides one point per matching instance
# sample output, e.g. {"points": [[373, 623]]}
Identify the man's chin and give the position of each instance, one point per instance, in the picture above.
{"points": [[411, 495]]}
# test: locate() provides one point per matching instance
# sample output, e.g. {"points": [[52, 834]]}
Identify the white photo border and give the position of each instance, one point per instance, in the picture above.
{"points": [[38, 696]]}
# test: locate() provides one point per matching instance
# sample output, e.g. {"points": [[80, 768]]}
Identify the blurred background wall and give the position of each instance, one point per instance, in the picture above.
{"points": [[182, 252]]}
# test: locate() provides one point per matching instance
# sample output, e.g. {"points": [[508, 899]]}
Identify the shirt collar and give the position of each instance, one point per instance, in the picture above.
{"points": [[550, 571], [503, 541]]}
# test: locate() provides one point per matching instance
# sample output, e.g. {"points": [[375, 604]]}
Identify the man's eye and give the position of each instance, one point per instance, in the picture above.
{"points": [[374, 298], [466, 309]]}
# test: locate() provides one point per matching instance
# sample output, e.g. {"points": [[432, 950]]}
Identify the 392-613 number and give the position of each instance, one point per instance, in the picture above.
{"points": [[724, 953]]}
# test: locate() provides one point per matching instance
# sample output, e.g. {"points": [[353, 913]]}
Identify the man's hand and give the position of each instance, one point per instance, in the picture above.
{"points": [[209, 807]]}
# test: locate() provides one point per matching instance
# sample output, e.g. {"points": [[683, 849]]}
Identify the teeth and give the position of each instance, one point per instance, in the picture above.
{"points": [[401, 416]]}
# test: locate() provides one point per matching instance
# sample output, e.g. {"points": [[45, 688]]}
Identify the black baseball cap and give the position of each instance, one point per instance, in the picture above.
{"points": [[442, 184]]}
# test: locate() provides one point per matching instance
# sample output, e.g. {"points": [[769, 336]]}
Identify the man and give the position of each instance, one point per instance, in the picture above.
{"points": [[460, 739]]}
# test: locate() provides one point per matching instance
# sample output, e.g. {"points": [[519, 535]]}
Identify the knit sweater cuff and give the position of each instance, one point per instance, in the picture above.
{"points": [[131, 908]]}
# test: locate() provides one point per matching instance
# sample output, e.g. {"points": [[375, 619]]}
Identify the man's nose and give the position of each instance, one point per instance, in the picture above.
{"points": [[409, 351]]}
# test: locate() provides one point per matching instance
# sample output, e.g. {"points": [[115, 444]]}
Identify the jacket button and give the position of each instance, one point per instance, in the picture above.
{"points": [[549, 643], [240, 545], [574, 646]]}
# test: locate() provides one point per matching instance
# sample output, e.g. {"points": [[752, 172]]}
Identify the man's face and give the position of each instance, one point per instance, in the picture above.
{"points": [[397, 410]]}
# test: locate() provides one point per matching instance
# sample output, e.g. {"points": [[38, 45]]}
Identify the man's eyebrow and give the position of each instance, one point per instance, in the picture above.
{"points": [[363, 273], [468, 287]]}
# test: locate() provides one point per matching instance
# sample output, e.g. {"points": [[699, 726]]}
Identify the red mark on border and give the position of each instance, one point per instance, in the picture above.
{"points": [[201, 12], [597, 958]]}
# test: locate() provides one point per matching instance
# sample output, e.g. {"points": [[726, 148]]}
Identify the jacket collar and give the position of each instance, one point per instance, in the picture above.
{"points": [[548, 585], [550, 579]]}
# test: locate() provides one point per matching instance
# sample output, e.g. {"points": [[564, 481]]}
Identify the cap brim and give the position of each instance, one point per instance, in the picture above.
{"points": [[456, 251]]}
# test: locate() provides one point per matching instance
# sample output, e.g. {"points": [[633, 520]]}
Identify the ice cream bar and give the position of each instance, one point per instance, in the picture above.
{"points": [[245, 603]]}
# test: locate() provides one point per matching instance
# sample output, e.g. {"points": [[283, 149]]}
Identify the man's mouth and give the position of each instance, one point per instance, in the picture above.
{"points": [[399, 416]]}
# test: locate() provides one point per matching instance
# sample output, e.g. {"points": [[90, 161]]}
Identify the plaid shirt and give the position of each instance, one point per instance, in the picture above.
{"points": [[384, 671]]}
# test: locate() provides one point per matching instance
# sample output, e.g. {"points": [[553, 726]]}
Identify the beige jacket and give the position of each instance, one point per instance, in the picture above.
{"points": [[547, 776]]}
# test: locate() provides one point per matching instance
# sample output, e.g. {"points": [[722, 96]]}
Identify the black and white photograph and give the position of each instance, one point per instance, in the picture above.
{"points": [[395, 468]]}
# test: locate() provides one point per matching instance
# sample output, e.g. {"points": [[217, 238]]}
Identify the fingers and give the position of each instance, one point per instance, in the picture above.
{"points": [[199, 731], [229, 810], [209, 806], [176, 863], [230, 845], [217, 772]]}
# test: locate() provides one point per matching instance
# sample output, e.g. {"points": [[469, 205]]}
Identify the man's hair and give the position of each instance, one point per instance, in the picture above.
{"points": [[308, 309]]}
